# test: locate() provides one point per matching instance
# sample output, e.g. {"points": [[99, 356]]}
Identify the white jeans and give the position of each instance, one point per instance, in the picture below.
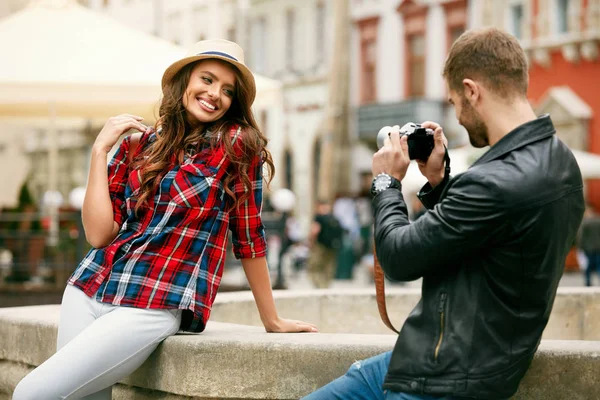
{"points": [[98, 345]]}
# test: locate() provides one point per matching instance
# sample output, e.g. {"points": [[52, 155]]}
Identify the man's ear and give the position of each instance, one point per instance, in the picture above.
{"points": [[471, 90]]}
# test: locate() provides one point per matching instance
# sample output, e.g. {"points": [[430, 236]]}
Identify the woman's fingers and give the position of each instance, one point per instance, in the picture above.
{"points": [[123, 125], [306, 327]]}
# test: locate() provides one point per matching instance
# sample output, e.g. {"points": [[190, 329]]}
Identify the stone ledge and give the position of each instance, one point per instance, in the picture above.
{"points": [[244, 362], [575, 316]]}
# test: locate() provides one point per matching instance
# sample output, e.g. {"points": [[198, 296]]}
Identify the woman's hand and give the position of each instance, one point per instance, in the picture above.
{"points": [[290, 325], [114, 128]]}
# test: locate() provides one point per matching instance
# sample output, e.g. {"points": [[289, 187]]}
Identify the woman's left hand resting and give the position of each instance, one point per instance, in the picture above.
{"points": [[290, 325]]}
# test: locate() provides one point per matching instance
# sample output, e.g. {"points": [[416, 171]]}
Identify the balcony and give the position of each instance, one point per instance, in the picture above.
{"points": [[372, 117]]}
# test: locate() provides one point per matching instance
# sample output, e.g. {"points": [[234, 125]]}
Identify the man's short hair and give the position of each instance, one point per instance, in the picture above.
{"points": [[490, 56]]}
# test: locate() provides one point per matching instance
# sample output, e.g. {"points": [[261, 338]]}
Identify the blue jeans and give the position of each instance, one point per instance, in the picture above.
{"points": [[593, 266], [364, 381]]}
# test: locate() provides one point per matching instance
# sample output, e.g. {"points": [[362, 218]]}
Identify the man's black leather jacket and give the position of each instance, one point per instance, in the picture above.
{"points": [[491, 251]]}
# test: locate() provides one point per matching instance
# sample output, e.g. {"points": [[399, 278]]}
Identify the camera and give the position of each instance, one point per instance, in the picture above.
{"points": [[420, 140]]}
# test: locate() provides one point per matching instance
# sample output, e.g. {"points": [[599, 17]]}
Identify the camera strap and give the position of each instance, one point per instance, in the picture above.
{"points": [[447, 167], [379, 276]]}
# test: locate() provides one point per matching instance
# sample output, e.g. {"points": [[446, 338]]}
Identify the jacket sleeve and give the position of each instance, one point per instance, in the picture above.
{"points": [[465, 219], [430, 196]]}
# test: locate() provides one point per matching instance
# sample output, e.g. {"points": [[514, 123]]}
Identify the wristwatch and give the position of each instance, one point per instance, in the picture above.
{"points": [[383, 182]]}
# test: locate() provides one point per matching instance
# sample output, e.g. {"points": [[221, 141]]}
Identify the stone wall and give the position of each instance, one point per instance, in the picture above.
{"points": [[230, 361], [575, 316]]}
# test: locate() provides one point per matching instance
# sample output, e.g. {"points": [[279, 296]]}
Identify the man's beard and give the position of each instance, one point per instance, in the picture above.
{"points": [[476, 128]]}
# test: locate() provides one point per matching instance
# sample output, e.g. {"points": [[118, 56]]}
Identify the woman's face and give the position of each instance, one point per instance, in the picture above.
{"points": [[209, 92]]}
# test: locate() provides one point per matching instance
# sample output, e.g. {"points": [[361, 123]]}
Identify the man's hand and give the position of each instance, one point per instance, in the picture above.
{"points": [[433, 168], [392, 158]]}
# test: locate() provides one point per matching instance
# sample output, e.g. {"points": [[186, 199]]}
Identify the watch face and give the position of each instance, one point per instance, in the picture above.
{"points": [[382, 182]]}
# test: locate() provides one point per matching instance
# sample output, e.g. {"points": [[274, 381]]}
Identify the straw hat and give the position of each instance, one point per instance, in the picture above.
{"points": [[210, 49]]}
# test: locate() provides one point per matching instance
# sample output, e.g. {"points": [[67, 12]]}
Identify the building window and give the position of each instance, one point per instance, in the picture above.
{"points": [[259, 45], [320, 37], [562, 16], [368, 60], [516, 20], [290, 34], [416, 65], [368, 71]]}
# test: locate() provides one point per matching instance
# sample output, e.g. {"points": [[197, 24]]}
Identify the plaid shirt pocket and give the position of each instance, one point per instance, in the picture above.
{"points": [[195, 185]]}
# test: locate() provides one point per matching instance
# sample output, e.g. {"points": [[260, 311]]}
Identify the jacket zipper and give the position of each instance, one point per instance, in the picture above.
{"points": [[441, 338]]}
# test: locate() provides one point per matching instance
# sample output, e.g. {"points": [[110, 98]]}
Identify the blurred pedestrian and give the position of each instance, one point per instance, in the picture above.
{"points": [[158, 221], [326, 237], [344, 209], [589, 243]]}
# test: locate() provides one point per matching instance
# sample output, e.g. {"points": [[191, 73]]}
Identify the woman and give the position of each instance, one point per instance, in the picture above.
{"points": [[158, 222]]}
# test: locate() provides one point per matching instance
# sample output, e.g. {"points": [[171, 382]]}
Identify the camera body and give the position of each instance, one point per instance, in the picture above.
{"points": [[420, 140]]}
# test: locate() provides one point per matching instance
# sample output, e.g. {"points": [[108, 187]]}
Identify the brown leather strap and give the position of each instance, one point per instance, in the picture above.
{"points": [[380, 292]]}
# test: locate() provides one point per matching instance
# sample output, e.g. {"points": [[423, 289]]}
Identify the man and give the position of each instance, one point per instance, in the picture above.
{"points": [[491, 249], [589, 242]]}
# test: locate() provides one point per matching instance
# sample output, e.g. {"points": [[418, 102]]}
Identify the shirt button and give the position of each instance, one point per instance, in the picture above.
{"points": [[414, 385]]}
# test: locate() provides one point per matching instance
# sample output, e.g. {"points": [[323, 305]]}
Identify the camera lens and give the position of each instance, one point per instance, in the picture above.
{"points": [[383, 133]]}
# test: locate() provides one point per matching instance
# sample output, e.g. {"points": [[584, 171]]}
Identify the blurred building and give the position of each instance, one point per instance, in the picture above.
{"points": [[28, 136], [8, 7], [398, 54], [182, 22], [291, 41], [561, 39]]}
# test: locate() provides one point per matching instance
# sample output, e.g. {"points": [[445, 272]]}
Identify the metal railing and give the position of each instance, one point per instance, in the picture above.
{"points": [[34, 272]]}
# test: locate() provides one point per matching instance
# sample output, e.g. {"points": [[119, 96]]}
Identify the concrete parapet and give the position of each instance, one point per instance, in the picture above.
{"points": [[230, 361], [575, 316]]}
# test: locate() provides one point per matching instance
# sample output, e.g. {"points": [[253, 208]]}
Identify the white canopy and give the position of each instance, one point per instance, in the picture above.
{"points": [[84, 64]]}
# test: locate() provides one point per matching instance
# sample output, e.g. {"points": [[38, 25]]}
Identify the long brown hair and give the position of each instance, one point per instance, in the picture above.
{"points": [[174, 133]]}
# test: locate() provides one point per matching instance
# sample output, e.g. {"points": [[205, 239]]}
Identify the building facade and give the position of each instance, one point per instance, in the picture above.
{"points": [[399, 49], [290, 41], [562, 41]]}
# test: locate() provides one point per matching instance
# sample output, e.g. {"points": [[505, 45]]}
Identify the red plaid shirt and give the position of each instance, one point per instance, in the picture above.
{"points": [[172, 254]]}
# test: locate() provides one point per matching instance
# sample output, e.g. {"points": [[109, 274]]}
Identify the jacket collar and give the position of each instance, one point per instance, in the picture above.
{"points": [[538, 129]]}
